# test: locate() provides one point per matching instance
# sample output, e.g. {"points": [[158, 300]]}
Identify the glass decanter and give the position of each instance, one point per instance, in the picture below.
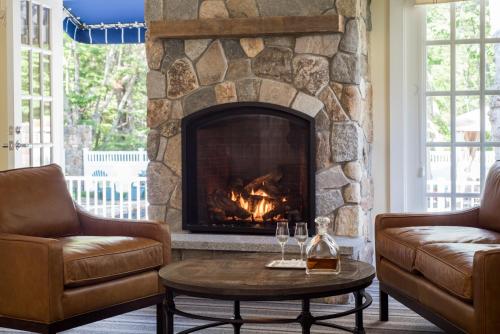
{"points": [[323, 253]]}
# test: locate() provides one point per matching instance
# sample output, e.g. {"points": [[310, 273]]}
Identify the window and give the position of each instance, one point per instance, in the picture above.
{"points": [[462, 107]]}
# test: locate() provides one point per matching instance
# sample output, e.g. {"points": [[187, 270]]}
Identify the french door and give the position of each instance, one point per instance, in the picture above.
{"points": [[35, 82]]}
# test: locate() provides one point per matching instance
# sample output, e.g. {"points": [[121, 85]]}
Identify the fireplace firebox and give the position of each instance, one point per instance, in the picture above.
{"points": [[246, 166]]}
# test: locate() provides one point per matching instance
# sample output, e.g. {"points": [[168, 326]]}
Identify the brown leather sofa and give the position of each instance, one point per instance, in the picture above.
{"points": [[61, 267], [445, 267]]}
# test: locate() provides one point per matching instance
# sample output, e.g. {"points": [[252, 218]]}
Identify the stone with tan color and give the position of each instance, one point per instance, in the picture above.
{"points": [[158, 112], [174, 220], [248, 89], [324, 45], [332, 105], [152, 143], [161, 148], [352, 193], [239, 69], [157, 212], [212, 65], [349, 8], [353, 170], [276, 92], [225, 92], [252, 46], [242, 8], [337, 88], [154, 53], [308, 104], [274, 63], [351, 101], [347, 142], [349, 221], [172, 156], [323, 151], [176, 200], [181, 79], [213, 9]]}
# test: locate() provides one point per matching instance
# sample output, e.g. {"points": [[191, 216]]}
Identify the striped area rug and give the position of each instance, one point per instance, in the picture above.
{"points": [[402, 320]]}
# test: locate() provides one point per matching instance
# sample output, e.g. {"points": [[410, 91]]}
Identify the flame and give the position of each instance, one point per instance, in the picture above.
{"points": [[259, 209]]}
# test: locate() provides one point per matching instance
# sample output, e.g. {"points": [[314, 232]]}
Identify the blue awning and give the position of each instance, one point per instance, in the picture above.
{"points": [[105, 21]]}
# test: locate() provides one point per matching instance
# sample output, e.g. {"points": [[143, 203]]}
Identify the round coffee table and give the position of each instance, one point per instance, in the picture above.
{"points": [[248, 280]]}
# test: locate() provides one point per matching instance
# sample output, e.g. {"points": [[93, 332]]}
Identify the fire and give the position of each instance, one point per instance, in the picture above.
{"points": [[259, 209]]}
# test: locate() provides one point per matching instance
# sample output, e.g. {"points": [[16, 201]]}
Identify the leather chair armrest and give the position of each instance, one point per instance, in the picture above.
{"points": [[486, 270], [461, 218], [31, 278], [159, 231]]}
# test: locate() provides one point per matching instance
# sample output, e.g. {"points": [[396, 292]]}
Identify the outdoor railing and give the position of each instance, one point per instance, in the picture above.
{"points": [[110, 197], [108, 163]]}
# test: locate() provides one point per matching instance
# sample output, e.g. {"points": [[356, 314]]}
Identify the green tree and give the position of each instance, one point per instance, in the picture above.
{"points": [[105, 87]]}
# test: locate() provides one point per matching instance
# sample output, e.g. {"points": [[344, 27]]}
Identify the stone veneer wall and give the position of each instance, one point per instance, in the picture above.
{"points": [[325, 76]]}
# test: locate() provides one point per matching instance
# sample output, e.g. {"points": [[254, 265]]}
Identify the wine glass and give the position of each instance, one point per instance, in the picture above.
{"points": [[282, 234], [301, 235]]}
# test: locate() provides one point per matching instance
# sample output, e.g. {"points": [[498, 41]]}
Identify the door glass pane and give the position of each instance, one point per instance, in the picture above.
{"points": [[36, 73], [25, 127], [438, 22], [47, 121], [438, 170], [467, 72], [493, 118], [46, 28], [25, 72], [492, 66], [46, 75], [438, 119], [37, 111], [464, 203], [438, 204], [468, 169], [492, 9], [25, 157], [468, 119], [25, 39], [47, 155], [36, 156], [468, 15], [438, 68], [35, 19]]}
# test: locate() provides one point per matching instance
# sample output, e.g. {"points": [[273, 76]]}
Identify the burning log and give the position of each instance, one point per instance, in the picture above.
{"points": [[271, 178], [280, 209], [219, 202]]}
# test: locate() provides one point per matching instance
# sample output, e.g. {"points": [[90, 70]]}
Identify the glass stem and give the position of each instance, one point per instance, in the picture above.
{"points": [[282, 252], [301, 251]]}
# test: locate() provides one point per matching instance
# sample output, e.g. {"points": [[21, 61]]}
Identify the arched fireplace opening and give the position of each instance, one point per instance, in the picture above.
{"points": [[246, 166]]}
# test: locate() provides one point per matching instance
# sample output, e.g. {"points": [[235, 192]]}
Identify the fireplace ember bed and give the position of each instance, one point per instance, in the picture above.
{"points": [[247, 166]]}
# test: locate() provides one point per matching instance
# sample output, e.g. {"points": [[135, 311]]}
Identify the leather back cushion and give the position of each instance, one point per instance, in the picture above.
{"points": [[489, 213], [36, 202]]}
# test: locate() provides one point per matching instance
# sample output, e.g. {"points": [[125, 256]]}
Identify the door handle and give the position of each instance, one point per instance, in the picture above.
{"points": [[22, 145], [10, 146]]}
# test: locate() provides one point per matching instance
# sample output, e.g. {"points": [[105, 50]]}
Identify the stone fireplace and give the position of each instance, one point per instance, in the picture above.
{"points": [[323, 76]]}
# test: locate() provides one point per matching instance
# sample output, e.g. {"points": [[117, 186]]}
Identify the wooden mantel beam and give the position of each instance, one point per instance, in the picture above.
{"points": [[246, 27]]}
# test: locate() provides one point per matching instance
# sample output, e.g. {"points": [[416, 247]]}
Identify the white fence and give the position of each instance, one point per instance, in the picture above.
{"points": [[110, 197], [112, 163]]}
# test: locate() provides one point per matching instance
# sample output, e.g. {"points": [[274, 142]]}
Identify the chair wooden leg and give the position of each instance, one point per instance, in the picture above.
{"points": [[160, 319], [384, 306]]}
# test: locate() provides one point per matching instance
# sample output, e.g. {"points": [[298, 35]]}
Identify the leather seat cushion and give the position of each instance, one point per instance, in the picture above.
{"points": [[399, 244], [94, 259], [449, 265]]}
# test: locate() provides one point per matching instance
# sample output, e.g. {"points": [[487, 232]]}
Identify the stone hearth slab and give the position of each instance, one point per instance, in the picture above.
{"points": [[252, 243]]}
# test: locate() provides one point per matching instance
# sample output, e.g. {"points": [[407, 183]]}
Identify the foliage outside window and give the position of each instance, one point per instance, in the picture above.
{"points": [[105, 87], [462, 107]]}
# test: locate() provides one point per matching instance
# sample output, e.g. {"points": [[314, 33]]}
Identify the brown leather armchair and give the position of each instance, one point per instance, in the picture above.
{"points": [[445, 267], [61, 267]]}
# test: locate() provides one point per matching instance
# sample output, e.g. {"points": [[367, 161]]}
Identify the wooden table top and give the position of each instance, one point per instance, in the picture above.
{"points": [[249, 279]]}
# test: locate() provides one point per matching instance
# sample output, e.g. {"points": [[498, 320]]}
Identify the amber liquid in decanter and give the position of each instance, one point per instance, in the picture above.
{"points": [[322, 264]]}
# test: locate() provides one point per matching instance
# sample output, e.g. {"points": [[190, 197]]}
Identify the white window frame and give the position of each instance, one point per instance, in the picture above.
{"points": [[408, 96]]}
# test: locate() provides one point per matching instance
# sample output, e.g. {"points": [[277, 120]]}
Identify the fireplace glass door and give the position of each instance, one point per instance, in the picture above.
{"points": [[245, 168]]}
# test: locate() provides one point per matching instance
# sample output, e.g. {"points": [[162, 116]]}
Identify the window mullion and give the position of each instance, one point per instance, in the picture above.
{"points": [[482, 74], [453, 105]]}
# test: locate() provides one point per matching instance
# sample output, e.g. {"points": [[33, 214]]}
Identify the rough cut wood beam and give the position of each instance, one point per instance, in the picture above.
{"points": [[246, 27]]}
